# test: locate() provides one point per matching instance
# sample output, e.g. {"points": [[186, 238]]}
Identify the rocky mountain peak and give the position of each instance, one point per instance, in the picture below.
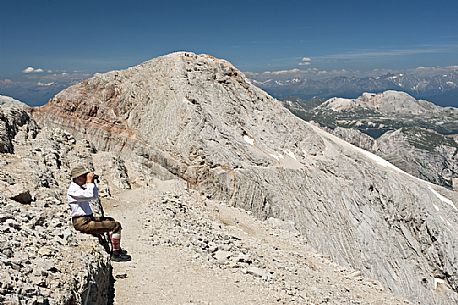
{"points": [[388, 102], [199, 119], [167, 103], [116, 101], [43, 260]]}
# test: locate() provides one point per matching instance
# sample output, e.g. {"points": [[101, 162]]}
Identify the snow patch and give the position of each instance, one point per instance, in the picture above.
{"points": [[277, 157], [442, 198], [377, 159], [290, 153], [437, 282], [248, 140]]}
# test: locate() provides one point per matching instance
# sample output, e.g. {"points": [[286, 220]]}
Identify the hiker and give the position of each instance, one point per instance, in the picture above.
{"points": [[81, 191]]}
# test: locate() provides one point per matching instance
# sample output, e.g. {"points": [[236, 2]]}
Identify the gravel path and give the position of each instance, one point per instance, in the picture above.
{"points": [[190, 250], [161, 274]]}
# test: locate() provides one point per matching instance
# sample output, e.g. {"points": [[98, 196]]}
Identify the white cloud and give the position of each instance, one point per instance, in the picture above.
{"points": [[32, 70], [436, 70], [251, 74], [358, 54], [305, 61], [45, 84], [282, 72], [304, 73]]}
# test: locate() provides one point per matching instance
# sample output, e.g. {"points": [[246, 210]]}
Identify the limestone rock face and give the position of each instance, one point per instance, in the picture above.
{"points": [[353, 136], [388, 102], [43, 260], [200, 119], [415, 135], [420, 152], [13, 120], [115, 171]]}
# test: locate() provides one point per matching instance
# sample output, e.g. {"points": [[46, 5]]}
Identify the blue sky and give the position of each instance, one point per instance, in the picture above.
{"points": [[254, 35], [97, 36]]}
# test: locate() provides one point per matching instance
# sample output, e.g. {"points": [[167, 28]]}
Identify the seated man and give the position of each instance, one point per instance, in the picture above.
{"points": [[82, 189]]}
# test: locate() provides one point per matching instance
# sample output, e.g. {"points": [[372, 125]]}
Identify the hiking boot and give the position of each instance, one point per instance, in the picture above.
{"points": [[123, 251], [118, 256]]}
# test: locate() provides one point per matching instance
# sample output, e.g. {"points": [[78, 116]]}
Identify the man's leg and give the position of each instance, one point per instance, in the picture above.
{"points": [[87, 225], [100, 225]]}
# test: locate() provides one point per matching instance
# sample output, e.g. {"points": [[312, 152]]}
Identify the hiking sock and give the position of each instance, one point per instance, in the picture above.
{"points": [[116, 241]]}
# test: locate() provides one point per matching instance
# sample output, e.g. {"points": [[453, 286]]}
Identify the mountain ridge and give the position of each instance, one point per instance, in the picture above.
{"points": [[213, 253], [415, 135], [434, 83], [387, 102], [201, 119]]}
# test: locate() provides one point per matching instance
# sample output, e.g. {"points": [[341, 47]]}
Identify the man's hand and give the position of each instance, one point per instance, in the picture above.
{"points": [[90, 177]]}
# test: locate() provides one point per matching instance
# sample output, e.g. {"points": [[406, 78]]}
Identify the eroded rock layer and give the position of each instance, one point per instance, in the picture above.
{"points": [[43, 260], [199, 118]]}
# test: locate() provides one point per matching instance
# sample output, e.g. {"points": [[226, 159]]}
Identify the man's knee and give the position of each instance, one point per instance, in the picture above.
{"points": [[117, 227]]}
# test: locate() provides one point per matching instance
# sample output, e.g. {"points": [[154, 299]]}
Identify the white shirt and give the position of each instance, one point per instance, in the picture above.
{"points": [[78, 198]]}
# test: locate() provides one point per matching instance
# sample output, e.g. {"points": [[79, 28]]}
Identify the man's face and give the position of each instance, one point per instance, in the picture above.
{"points": [[81, 179]]}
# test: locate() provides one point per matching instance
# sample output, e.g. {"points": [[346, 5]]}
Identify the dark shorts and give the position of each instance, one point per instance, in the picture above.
{"points": [[95, 225]]}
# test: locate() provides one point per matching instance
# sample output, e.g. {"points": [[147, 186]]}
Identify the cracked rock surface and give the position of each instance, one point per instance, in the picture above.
{"points": [[192, 250], [43, 260], [200, 119]]}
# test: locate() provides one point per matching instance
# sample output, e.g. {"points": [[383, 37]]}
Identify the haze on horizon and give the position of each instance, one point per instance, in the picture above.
{"points": [[48, 45]]}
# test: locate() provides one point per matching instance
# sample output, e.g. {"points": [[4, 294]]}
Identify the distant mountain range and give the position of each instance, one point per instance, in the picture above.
{"points": [[415, 135], [439, 85], [436, 84]]}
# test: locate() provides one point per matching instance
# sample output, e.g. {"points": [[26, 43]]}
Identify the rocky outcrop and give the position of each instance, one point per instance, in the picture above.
{"points": [[43, 260], [388, 102], [415, 135], [353, 136], [12, 118], [199, 118], [420, 152], [115, 172]]}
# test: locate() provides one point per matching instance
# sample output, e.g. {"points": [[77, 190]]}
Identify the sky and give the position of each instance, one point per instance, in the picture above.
{"points": [[71, 39]]}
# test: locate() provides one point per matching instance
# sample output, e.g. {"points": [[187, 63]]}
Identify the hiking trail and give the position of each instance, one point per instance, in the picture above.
{"points": [[187, 249]]}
